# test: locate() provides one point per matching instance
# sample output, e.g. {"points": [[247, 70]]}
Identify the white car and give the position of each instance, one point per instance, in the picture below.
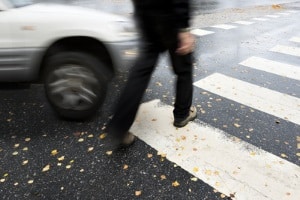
{"points": [[74, 51]]}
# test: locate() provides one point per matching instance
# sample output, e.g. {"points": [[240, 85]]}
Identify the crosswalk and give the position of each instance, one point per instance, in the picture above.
{"points": [[230, 165], [203, 32]]}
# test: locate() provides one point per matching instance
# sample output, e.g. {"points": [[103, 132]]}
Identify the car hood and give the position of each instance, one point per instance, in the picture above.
{"points": [[70, 10]]}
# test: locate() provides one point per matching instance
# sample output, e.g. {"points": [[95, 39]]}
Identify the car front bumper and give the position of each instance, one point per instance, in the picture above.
{"points": [[123, 54]]}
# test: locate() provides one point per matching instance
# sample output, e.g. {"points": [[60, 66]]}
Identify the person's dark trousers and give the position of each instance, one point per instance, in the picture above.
{"points": [[158, 36]]}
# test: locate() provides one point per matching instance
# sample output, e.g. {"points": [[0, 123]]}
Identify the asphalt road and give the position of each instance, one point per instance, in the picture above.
{"points": [[44, 157]]}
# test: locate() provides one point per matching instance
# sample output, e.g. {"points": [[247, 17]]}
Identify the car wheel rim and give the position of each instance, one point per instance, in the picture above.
{"points": [[73, 87]]}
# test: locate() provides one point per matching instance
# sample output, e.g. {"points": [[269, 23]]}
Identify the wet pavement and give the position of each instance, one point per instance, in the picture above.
{"points": [[44, 157]]}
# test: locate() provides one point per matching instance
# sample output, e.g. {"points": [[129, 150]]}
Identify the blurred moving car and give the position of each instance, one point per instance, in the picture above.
{"points": [[74, 51]]}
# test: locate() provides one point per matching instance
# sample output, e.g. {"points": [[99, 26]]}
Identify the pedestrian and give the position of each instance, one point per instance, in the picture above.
{"points": [[164, 26]]}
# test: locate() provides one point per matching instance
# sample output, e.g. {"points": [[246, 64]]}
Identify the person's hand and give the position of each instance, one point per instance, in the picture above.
{"points": [[186, 43]]}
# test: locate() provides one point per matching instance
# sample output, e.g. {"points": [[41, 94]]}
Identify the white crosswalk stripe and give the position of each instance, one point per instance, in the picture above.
{"points": [[272, 16], [295, 39], [201, 32], [281, 69], [224, 26], [289, 50], [260, 19], [272, 102], [232, 167], [244, 22]]}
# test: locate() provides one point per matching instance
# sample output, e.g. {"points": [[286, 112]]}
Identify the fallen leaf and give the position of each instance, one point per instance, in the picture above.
{"points": [[252, 153], [208, 172], [109, 153], [223, 196], [82, 170], [163, 177], [195, 169], [175, 184], [15, 153], [61, 158], [90, 136], [54, 152], [68, 166], [25, 149], [90, 149], [46, 168], [2, 180], [80, 140], [16, 145], [149, 155], [15, 184], [25, 162], [237, 125], [27, 139], [138, 193], [125, 166], [30, 181], [102, 136], [283, 155], [194, 179]]}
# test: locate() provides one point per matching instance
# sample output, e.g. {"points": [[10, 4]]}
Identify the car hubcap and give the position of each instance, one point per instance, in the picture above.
{"points": [[73, 87]]}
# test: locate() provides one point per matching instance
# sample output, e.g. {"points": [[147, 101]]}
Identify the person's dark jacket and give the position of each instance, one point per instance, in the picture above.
{"points": [[177, 10]]}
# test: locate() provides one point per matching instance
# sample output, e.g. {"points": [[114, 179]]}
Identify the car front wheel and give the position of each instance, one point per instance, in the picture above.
{"points": [[75, 84]]}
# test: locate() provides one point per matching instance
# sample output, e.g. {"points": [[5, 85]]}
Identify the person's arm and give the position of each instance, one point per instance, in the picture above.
{"points": [[182, 16]]}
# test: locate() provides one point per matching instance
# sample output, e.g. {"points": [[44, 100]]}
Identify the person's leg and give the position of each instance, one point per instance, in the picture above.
{"points": [[182, 65], [132, 94]]}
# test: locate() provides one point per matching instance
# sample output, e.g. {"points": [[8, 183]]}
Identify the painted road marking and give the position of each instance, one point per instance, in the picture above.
{"points": [[260, 19], [281, 69], [272, 16], [224, 26], [295, 39], [284, 13], [201, 32], [293, 51], [269, 101], [244, 22], [231, 166]]}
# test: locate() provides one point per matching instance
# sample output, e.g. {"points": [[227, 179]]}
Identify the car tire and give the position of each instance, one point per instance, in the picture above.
{"points": [[75, 84]]}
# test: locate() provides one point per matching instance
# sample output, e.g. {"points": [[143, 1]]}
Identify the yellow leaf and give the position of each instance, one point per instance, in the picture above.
{"points": [[109, 153], [298, 154], [30, 181], [16, 145], [208, 172], [46, 168], [237, 125], [102, 136], [90, 136], [80, 140], [283, 155], [194, 179], [223, 196], [149, 155], [196, 169], [252, 153], [25, 149], [68, 166], [125, 166], [90, 149], [54, 152], [27, 139], [138, 193], [15, 153], [2, 180], [175, 184], [24, 162], [163, 177], [61, 158]]}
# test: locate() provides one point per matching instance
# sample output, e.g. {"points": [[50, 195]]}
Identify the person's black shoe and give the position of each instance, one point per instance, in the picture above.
{"points": [[182, 122]]}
